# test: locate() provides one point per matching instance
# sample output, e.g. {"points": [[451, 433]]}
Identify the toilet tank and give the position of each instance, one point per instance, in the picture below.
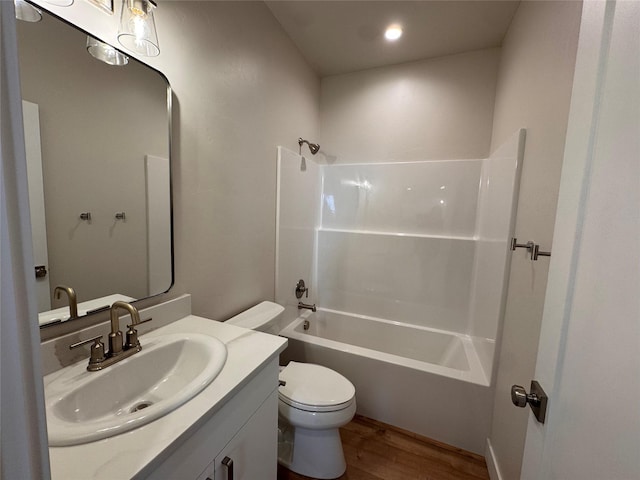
{"points": [[263, 317]]}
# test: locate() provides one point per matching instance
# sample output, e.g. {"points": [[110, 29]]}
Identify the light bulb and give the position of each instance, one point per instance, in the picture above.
{"points": [[393, 32], [137, 31]]}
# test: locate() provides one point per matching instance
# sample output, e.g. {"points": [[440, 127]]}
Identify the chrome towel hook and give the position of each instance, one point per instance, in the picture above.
{"points": [[532, 247], [537, 253]]}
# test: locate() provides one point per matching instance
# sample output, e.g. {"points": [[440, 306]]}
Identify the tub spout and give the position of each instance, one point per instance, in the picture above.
{"points": [[308, 307]]}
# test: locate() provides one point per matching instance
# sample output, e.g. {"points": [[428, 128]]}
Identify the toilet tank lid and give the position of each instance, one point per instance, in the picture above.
{"points": [[257, 316]]}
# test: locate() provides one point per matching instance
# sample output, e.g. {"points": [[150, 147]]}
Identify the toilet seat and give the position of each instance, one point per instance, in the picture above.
{"points": [[315, 408], [314, 388]]}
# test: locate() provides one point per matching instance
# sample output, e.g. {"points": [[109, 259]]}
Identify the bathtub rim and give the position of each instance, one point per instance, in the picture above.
{"points": [[477, 373]]}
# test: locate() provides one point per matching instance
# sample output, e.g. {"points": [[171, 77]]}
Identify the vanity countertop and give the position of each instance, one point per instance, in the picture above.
{"points": [[125, 455]]}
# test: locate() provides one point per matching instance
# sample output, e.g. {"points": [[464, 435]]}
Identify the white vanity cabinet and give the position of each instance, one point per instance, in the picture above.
{"points": [[244, 430], [235, 416], [251, 452]]}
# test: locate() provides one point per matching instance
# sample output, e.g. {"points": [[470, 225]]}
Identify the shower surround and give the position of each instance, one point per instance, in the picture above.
{"points": [[394, 248]]}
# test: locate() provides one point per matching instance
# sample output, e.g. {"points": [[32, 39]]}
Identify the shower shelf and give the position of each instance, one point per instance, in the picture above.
{"points": [[399, 234]]}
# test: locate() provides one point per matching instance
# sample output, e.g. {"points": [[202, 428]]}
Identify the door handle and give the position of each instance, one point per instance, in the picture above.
{"points": [[227, 462], [537, 399]]}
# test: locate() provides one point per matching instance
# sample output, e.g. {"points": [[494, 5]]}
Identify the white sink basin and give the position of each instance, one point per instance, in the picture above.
{"points": [[171, 369]]}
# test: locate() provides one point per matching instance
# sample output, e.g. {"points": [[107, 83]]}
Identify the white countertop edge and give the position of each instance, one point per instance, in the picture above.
{"points": [[140, 450]]}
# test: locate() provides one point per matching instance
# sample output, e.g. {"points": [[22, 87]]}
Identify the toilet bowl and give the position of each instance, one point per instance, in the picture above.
{"points": [[313, 403]]}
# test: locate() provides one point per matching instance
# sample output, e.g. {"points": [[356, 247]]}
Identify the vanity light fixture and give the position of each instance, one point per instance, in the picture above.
{"points": [[393, 32], [105, 52], [27, 12], [137, 31]]}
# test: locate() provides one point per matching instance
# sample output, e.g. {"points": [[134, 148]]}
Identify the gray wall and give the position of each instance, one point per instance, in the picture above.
{"points": [[439, 108], [242, 88]]}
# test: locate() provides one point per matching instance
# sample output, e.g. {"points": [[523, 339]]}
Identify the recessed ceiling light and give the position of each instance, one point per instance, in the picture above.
{"points": [[393, 32]]}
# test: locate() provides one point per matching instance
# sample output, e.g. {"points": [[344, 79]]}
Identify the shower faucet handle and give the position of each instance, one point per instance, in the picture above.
{"points": [[301, 289]]}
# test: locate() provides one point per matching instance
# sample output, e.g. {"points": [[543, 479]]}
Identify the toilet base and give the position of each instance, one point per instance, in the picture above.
{"points": [[313, 453]]}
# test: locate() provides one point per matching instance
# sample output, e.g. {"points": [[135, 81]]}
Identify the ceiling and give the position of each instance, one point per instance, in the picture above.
{"points": [[344, 36]]}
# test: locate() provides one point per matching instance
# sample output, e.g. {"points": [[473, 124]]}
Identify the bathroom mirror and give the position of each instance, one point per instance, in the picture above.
{"points": [[98, 147]]}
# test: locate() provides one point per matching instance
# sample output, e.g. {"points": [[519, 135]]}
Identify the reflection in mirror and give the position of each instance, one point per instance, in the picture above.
{"points": [[97, 139]]}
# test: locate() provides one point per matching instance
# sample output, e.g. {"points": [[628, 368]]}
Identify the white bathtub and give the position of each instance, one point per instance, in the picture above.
{"points": [[428, 381]]}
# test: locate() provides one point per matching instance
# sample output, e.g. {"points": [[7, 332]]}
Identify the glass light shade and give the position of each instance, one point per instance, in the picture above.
{"points": [[105, 52], [137, 31], [27, 12]]}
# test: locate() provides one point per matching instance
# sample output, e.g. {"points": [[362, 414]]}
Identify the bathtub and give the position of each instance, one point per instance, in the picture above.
{"points": [[424, 380]]}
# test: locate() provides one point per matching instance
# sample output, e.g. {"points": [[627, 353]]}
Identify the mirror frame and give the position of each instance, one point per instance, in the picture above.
{"points": [[169, 96]]}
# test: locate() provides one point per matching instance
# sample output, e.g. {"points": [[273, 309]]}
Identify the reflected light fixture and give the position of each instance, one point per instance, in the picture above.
{"points": [[393, 32], [27, 12], [137, 31], [105, 52]]}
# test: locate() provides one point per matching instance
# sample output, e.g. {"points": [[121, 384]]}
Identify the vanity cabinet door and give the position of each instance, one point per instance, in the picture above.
{"points": [[252, 453]]}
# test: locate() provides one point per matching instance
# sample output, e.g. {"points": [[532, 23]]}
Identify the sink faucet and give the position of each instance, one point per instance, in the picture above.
{"points": [[115, 337], [308, 307], [118, 350], [73, 299]]}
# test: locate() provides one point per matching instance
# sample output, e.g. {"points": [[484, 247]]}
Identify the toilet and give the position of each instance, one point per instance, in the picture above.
{"points": [[313, 403]]}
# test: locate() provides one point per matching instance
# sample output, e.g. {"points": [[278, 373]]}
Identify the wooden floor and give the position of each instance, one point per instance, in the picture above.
{"points": [[376, 451]]}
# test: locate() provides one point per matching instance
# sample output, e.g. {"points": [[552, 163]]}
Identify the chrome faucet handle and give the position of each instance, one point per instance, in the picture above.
{"points": [[84, 342], [139, 323], [301, 289], [132, 335], [97, 349]]}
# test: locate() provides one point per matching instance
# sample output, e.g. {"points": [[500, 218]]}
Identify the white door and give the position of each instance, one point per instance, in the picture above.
{"points": [[31, 118], [589, 351]]}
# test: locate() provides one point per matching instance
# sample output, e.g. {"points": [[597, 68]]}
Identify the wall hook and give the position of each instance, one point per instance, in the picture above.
{"points": [[121, 216], [85, 216], [535, 253], [532, 247], [514, 244]]}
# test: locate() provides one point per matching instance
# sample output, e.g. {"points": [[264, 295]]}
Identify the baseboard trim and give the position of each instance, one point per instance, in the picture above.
{"points": [[436, 443], [492, 464]]}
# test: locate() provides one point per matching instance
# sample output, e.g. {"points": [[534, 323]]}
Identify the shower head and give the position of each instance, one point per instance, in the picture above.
{"points": [[313, 147]]}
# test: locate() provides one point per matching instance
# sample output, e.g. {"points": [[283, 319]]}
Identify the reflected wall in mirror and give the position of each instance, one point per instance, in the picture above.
{"points": [[98, 139]]}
